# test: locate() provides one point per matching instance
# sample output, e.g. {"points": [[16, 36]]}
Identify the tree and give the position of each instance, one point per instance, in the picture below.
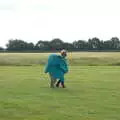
{"points": [[56, 44], [112, 44], [42, 45], [94, 44], [30, 46], [107, 45], [75, 45], [68, 46], [16, 45], [1, 48], [115, 43], [80, 45]]}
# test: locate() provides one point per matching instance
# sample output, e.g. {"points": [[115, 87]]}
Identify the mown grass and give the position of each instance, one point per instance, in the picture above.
{"points": [[92, 93], [75, 58]]}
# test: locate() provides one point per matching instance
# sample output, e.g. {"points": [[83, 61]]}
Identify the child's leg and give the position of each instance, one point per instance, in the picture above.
{"points": [[52, 82], [62, 82], [57, 85]]}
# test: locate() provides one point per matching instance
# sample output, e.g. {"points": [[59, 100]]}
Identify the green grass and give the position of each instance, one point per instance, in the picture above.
{"points": [[92, 93], [75, 58]]}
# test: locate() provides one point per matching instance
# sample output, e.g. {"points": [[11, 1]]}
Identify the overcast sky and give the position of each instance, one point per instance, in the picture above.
{"points": [[69, 20]]}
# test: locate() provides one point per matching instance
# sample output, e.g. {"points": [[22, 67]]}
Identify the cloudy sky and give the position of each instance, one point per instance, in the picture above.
{"points": [[69, 20]]}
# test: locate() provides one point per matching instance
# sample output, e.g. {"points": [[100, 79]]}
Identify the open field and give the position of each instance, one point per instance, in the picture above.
{"points": [[92, 93], [75, 58]]}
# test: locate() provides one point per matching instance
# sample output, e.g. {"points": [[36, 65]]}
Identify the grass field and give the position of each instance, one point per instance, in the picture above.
{"points": [[92, 93], [78, 58]]}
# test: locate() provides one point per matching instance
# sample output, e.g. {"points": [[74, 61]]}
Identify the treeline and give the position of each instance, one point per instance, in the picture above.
{"points": [[94, 44]]}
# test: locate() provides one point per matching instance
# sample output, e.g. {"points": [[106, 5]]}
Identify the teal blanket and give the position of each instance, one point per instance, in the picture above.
{"points": [[56, 66]]}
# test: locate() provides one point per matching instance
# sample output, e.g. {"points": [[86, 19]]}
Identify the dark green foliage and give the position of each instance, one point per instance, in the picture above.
{"points": [[94, 44], [42, 45], [56, 44], [19, 45], [1, 49]]}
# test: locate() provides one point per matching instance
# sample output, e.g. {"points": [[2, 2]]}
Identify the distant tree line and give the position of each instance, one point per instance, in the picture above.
{"points": [[94, 44]]}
